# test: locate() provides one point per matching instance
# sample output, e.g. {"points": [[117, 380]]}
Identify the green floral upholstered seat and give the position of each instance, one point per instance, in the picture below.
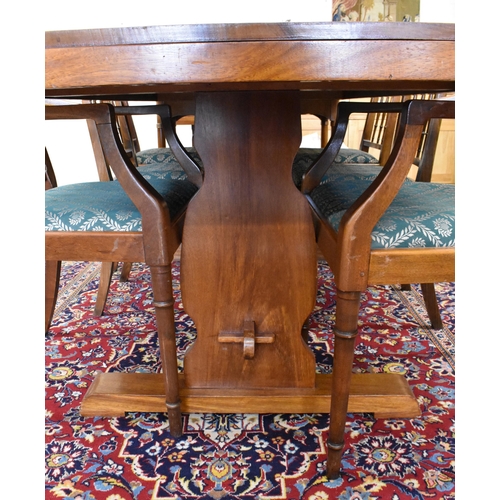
{"points": [[419, 216], [360, 164], [163, 156], [161, 162], [104, 206]]}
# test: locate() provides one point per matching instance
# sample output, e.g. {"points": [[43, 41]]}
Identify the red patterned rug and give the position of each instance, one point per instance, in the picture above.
{"points": [[244, 456]]}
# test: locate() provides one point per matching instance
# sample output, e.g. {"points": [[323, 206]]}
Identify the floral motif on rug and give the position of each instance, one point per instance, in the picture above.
{"points": [[244, 456]]}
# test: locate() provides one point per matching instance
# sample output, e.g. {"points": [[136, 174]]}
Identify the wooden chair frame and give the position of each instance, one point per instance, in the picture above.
{"points": [[348, 250], [127, 132], [155, 245], [424, 159], [379, 130]]}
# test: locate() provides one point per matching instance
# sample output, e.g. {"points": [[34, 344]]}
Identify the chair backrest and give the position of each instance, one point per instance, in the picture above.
{"points": [[128, 136], [379, 130], [379, 133], [50, 176], [325, 109], [167, 120], [128, 133], [182, 113], [426, 153]]}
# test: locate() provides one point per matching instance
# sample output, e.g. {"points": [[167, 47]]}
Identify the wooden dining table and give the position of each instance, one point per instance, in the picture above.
{"points": [[249, 255]]}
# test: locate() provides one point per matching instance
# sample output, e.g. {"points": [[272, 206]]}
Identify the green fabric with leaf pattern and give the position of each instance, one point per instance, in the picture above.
{"points": [[164, 156], [421, 215], [104, 206], [368, 165], [161, 161]]}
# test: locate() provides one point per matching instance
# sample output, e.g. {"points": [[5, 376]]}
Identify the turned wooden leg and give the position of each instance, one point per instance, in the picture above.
{"points": [[126, 268], [107, 270], [346, 328], [305, 330], [161, 277], [430, 299], [52, 274]]}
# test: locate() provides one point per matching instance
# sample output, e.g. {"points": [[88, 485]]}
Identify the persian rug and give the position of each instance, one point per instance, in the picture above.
{"points": [[244, 456]]}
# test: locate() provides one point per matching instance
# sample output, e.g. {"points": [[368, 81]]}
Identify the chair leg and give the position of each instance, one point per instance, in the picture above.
{"points": [[126, 268], [107, 270], [161, 278], [305, 330], [52, 274], [405, 287], [430, 299], [345, 331]]}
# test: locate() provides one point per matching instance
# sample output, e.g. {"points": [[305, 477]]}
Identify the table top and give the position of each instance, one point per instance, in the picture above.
{"points": [[345, 59]]}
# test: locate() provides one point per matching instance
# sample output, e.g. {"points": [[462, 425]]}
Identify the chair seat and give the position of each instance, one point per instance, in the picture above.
{"points": [[163, 156], [161, 163], [170, 170], [419, 216], [345, 155], [368, 165], [86, 206]]}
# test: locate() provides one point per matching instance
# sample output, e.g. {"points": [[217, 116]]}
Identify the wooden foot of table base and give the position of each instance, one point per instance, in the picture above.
{"points": [[114, 394]]}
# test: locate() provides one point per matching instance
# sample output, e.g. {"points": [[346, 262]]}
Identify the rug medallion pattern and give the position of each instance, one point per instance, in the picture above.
{"points": [[244, 456]]}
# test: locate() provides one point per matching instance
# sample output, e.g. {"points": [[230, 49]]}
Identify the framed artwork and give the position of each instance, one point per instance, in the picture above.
{"points": [[376, 10]]}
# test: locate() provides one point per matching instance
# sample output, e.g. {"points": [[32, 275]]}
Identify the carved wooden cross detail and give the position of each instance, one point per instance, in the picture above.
{"points": [[249, 337]]}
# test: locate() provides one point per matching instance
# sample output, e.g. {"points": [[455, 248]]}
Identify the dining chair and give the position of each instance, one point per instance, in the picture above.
{"points": [[382, 231], [126, 220], [383, 125], [378, 133], [156, 162], [50, 176], [379, 130], [182, 113], [326, 111]]}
